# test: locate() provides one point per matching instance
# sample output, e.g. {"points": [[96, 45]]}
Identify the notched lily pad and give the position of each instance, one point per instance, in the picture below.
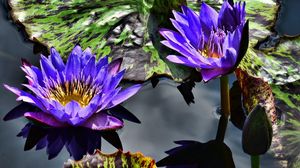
{"points": [[114, 27], [117, 160]]}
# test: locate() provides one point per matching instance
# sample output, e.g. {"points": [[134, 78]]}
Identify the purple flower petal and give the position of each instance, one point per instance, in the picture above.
{"points": [[44, 118], [86, 55], [125, 94], [182, 60], [114, 66], [90, 67], [101, 63], [56, 60], [208, 74], [101, 121], [73, 64], [179, 17], [226, 17], [26, 97], [208, 18], [72, 108], [47, 68]]}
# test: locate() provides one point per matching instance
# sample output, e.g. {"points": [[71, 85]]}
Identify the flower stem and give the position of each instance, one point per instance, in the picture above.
{"points": [[255, 161], [225, 108]]}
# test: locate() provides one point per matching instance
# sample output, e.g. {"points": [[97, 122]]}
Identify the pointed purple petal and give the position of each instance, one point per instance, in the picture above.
{"points": [[90, 67], [26, 97], [208, 18], [101, 121], [73, 64], [179, 17], [86, 55], [44, 118], [209, 74], [182, 60], [101, 63], [47, 68], [114, 66], [226, 17], [72, 108], [125, 94], [56, 60]]}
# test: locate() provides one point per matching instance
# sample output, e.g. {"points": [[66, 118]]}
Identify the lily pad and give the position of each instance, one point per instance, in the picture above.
{"points": [[123, 29], [117, 159], [288, 104], [109, 27]]}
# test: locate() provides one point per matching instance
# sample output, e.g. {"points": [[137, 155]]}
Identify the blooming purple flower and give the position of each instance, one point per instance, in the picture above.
{"points": [[78, 93], [210, 42]]}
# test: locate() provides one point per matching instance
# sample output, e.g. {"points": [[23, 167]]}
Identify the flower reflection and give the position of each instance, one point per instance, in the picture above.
{"points": [[78, 141]]}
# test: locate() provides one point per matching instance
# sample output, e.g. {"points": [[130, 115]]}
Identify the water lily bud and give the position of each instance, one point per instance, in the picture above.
{"points": [[257, 132]]}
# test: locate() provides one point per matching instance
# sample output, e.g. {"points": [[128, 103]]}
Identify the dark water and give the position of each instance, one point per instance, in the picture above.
{"points": [[164, 114]]}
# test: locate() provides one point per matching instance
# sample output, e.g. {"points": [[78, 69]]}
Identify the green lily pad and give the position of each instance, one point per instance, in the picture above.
{"points": [[109, 27], [114, 160], [288, 103], [122, 28]]}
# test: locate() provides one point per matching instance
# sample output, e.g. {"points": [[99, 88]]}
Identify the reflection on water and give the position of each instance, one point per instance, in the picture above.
{"points": [[78, 141], [163, 112]]}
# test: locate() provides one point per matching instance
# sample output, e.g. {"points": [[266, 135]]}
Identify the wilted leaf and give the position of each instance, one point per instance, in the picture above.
{"points": [[255, 91], [257, 132], [115, 160]]}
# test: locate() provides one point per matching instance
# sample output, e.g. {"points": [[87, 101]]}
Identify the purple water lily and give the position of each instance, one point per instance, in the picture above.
{"points": [[210, 42], [77, 93]]}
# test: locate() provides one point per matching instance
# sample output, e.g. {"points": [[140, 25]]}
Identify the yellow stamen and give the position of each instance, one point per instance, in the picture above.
{"points": [[77, 91]]}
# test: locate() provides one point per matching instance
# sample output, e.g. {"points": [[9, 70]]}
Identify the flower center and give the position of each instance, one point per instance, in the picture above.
{"points": [[213, 46], [77, 91]]}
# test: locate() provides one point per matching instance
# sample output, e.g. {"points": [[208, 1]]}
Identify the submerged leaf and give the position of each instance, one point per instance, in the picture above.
{"points": [[116, 160]]}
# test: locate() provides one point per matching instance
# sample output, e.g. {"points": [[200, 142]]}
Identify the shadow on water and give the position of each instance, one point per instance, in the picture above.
{"points": [[163, 112]]}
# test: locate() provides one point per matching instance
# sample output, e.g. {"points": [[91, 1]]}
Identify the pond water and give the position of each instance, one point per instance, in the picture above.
{"points": [[163, 112]]}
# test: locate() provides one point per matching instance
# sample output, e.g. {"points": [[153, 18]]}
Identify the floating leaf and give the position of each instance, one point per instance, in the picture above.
{"points": [[114, 27], [115, 160], [288, 104], [257, 132]]}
